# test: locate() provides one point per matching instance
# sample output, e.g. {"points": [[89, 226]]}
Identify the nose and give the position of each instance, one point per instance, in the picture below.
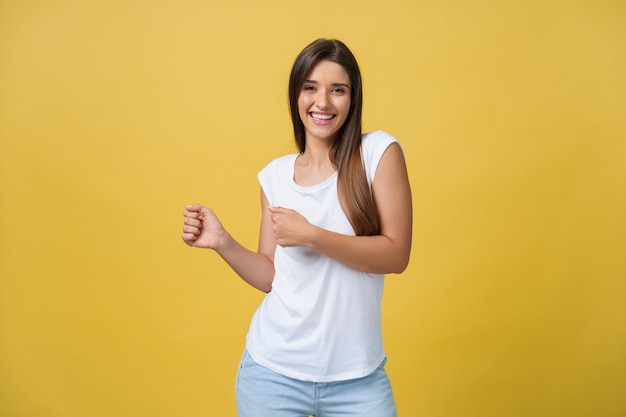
{"points": [[321, 99]]}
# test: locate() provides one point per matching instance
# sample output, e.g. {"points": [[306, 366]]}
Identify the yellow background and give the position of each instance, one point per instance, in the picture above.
{"points": [[115, 114]]}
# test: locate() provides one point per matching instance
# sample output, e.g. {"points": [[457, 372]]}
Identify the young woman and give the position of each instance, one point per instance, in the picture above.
{"points": [[336, 217]]}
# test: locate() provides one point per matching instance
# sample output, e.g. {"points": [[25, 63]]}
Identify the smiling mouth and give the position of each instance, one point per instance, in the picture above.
{"points": [[322, 117]]}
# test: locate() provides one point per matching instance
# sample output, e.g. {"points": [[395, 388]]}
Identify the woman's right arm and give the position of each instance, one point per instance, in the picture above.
{"points": [[202, 229]]}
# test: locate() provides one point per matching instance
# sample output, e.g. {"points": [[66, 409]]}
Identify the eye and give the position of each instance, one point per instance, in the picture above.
{"points": [[308, 87], [339, 90]]}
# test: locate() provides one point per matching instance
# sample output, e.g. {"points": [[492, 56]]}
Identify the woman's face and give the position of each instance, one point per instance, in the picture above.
{"points": [[324, 101]]}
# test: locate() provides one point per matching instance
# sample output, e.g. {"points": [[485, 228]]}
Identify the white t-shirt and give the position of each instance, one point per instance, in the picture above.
{"points": [[321, 321]]}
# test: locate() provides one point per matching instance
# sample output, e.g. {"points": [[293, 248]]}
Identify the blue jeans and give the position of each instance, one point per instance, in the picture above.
{"points": [[264, 393]]}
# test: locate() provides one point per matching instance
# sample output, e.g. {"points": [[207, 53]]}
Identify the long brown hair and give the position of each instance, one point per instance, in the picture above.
{"points": [[355, 195]]}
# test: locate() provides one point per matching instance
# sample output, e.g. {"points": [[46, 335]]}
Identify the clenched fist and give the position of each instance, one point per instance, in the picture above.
{"points": [[202, 228], [290, 228]]}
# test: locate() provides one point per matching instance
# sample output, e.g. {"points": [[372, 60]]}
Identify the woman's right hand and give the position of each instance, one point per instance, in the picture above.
{"points": [[202, 228]]}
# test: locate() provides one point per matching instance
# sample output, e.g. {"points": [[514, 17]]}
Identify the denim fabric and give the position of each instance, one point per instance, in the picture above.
{"points": [[264, 393]]}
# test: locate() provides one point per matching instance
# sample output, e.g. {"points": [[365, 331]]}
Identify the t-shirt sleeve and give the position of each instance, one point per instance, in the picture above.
{"points": [[374, 146], [275, 177], [264, 179]]}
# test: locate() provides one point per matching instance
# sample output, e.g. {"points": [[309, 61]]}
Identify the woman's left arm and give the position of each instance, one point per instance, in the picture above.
{"points": [[387, 252]]}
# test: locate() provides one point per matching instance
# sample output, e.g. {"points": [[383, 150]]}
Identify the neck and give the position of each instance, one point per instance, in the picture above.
{"points": [[317, 152]]}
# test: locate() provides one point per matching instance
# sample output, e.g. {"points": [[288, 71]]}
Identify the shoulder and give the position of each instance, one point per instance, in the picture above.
{"points": [[280, 163], [377, 139], [276, 175], [373, 146]]}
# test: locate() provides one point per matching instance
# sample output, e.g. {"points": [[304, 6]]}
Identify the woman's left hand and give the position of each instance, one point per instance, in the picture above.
{"points": [[290, 227]]}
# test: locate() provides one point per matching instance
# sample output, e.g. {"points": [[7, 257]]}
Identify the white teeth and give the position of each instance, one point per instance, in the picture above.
{"points": [[322, 116]]}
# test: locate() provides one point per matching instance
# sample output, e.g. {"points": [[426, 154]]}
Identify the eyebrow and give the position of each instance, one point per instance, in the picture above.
{"points": [[333, 84]]}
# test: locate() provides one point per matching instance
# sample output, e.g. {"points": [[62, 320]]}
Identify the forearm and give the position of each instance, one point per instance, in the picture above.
{"points": [[254, 268], [372, 254]]}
